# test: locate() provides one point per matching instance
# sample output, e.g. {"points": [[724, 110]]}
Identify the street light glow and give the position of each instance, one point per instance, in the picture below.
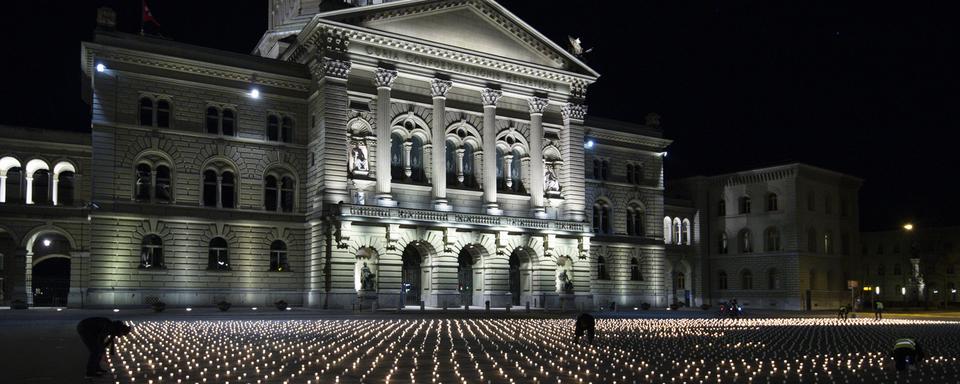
{"points": [[101, 67], [908, 226], [46, 242], [255, 93]]}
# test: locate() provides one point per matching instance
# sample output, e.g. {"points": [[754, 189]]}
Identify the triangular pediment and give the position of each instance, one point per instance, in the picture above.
{"points": [[480, 26]]}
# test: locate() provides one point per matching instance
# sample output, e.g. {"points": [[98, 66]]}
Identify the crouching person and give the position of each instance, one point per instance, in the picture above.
{"points": [[585, 324], [907, 354], [98, 334]]}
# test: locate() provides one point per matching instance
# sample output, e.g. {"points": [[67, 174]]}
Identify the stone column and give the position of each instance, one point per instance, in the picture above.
{"points": [[537, 106], [508, 169], [29, 196], [439, 89], [383, 79], [219, 191], [407, 170], [571, 176], [489, 97], [459, 153], [3, 188], [54, 181]]}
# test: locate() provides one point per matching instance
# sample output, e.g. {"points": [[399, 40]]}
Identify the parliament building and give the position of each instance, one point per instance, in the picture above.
{"points": [[377, 154]]}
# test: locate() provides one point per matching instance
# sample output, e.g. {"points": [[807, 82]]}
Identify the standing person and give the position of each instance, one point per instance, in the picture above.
{"points": [[585, 324], [97, 334], [907, 354], [878, 310]]}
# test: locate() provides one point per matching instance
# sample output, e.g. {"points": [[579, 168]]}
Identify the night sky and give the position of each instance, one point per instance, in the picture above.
{"points": [[864, 88]]}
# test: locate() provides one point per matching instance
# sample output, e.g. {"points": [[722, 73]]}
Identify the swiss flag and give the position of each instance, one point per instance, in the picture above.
{"points": [[147, 16]]}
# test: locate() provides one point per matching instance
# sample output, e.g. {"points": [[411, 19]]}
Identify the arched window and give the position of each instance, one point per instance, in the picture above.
{"points": [[680, 281], [273, 128], [721, 208], [151, 252], [396, 157], [416, 160], [721, 280], [286, 194], [144, 182], [278, 256], [601, 217], [286, 130], [828, 242], [209, 188], [41, 186], [597, 169], [827, 205], [772, 243], [811, 202], [146, 112], [14, 185], [227, 123], [629, 173], [746, 279], [227, 189], [213, 121], [744, 205], [163, 114], [605, 170], [469, 177], [218, 255], [65, 188], [270, 193], [516, 180], [602, 268], [635, 270], [722, 246], [451, 157], [746, 243], [162, 192], [773, 279], [635, 220], [685, 232], [772, 203], [667, 230], [638, 173], [812, 240], [677, 231]]}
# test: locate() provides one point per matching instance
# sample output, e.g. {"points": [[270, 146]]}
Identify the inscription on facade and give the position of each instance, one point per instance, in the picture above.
{"points": [[443, 65]]}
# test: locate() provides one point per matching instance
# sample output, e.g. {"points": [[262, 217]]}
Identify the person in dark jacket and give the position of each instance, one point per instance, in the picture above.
{"points": [[585, 324], [907, 353], [98, 334]]}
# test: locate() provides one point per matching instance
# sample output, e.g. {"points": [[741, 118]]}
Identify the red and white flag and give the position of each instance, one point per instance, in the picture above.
{"points": [[147, 16]]}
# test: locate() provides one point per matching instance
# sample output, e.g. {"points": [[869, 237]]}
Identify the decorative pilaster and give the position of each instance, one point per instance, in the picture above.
{"points": [[29, 196], [383, 79], [490, 97], [537, 106], [3, 188], [325, 184], [439, 89], [571, 176]]}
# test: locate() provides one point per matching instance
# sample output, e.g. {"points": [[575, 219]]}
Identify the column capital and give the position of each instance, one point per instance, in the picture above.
{"points": [[490, 97], [384, 78], [571, 111], [537, 104], [328, 67], [439, 87]]}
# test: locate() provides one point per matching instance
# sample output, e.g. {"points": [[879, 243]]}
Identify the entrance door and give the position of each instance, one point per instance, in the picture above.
{"points": [[515, 278], [465, 277], [51, 282], [411, 276]]}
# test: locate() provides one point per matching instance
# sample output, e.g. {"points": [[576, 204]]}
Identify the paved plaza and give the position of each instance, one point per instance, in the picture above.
{"points": [[205, 346]]}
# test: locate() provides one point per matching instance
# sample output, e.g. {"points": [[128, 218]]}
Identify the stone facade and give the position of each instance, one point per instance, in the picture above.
{"points": [[375, 160], [916, 267], [779, 237]]}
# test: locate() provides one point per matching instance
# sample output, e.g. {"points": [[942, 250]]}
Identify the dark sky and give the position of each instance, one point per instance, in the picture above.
{"points": [[865, 88]]}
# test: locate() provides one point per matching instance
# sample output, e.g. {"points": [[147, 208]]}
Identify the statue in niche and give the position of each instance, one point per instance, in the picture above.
{"points": [[358, 158], [566, 285], [550, 182], [366, 278]]}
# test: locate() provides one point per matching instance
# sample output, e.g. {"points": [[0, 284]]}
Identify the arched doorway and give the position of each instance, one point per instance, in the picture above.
{"points": [[465, 277], [51, 281], [411, 275], [519, 276]]}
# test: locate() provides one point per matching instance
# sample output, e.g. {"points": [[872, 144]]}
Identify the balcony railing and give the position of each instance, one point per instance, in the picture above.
{"points": [[459, 218]]}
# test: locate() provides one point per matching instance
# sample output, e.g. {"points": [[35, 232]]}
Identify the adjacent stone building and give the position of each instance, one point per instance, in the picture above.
{"points": [[915, 267]]}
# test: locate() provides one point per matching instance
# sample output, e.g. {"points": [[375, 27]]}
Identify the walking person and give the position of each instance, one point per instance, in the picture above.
{"points": [[878, 310], [98, 334], [842, 313], [585, 324]]}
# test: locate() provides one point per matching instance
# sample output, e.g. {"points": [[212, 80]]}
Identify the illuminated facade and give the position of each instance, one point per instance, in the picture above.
{"points": [[434, 151]]}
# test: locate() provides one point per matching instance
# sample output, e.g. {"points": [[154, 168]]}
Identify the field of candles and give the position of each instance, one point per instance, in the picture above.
{"points": [[418, 350]]}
